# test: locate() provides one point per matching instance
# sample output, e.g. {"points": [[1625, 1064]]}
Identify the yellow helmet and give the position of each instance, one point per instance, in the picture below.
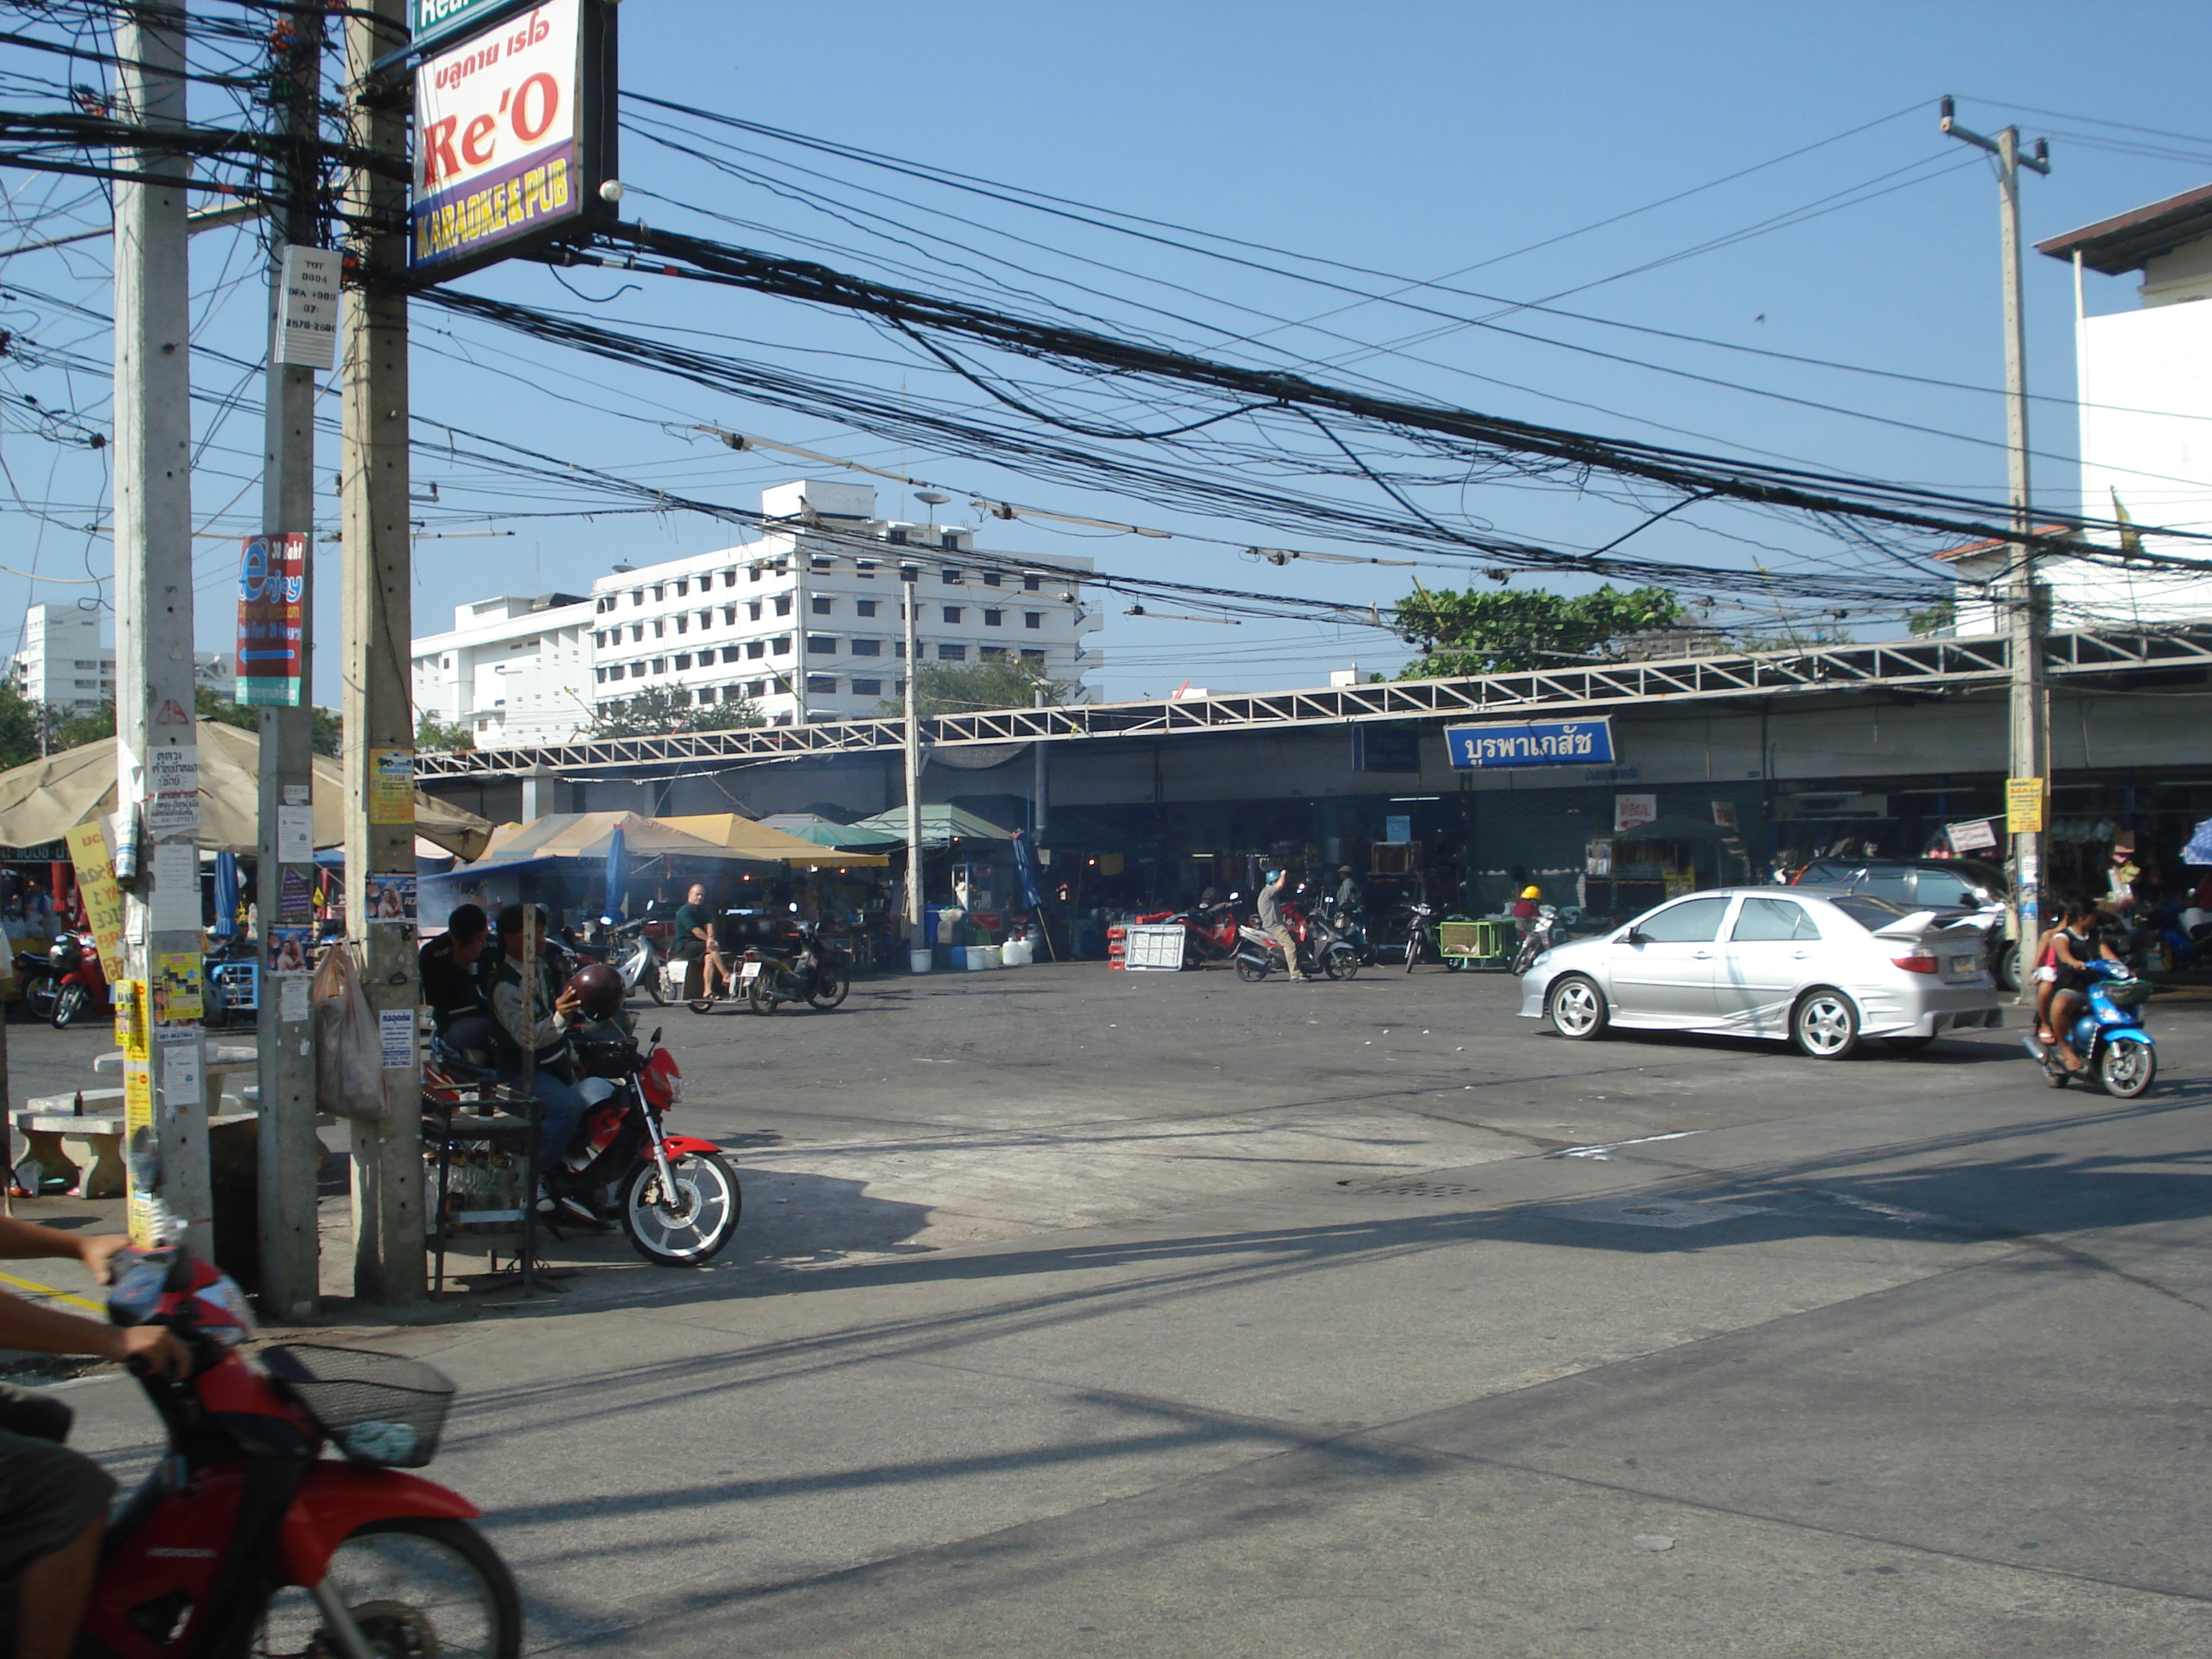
{"points": [[1532, 892]]}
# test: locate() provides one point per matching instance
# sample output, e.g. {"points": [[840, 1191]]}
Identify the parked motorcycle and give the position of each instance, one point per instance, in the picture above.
{"points": [[629, 948], [674, 1195], [2107, 1035], [1209, 931], [245, 1537], [817, 974], [36, 978], [80, 983], [1543, 933], [1421, 942]]}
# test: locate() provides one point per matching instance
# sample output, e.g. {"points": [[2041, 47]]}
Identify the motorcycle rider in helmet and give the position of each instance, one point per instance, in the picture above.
{"points": [[1272, 925], [530, 1012], [1524, 908]]}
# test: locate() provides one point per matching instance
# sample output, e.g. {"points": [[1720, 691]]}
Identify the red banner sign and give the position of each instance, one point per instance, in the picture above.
{"points": [[272, 589]]}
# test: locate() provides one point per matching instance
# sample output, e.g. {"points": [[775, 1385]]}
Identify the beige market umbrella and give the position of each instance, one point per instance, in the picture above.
{"points": [[756, 840], [41, 799]]}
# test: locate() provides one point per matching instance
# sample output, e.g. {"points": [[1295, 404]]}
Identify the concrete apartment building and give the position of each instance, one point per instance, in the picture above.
{"points": [[805, 623], [2144, 380], [516, 669], [64, 665]]}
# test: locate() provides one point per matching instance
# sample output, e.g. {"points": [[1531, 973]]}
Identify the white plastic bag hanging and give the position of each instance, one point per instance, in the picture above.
{"points": [[349, 1058]]}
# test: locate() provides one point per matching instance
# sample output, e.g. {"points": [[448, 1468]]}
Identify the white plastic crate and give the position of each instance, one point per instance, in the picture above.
{"points": [[1153, 947]]}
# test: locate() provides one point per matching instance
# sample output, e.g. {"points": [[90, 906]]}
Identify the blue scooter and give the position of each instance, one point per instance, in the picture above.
{"points": [[2107, 1035]]}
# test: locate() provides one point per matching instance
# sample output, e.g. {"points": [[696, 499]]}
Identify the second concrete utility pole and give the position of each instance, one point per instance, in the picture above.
{"points": [[2029, 776]]}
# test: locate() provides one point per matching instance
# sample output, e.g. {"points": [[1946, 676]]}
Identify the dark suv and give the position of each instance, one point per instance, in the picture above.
{"points": [[1931, 884]]}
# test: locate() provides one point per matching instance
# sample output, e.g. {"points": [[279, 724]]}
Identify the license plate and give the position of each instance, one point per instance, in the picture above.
{"points": [[1964, 964], [752, 971]]}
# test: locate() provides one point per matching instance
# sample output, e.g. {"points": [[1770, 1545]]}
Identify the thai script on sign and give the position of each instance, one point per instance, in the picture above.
{"points": [[1547, 743]]}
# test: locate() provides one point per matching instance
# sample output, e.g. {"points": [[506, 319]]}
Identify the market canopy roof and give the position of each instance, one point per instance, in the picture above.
{"points": [[772, 842], [941, 825], [828, 832], [588, 836], [40, 800]]}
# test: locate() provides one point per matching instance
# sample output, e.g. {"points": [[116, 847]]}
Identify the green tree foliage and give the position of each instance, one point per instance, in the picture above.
{"points": [[962, 688], [1940, 617], [20, 722], [1510, 630], [431, 733], [658, 710], [74, 731], [246, 717]]}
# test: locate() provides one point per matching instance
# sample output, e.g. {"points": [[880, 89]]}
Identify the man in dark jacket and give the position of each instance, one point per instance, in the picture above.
{"points": [[530, 1014], [452, 976]]}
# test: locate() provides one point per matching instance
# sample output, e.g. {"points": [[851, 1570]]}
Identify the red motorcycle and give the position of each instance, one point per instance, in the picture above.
{"points": [[674, 1195], [80, 983], [246, 1539], [1209, 933]]}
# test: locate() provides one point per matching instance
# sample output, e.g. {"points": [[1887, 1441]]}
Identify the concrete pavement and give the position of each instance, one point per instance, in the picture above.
{"points": [[1122, 1314]]}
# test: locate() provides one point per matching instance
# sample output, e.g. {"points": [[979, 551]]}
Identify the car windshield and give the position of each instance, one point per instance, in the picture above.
{"points": [[1868, 910]]}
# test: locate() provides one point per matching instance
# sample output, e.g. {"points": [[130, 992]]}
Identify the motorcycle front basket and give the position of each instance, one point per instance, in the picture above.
{"points": [[376, 1408], [2128, 993]]}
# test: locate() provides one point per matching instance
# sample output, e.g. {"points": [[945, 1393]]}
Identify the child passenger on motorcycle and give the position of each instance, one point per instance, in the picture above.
{"points": [[53, 1502], [2072, 948]]}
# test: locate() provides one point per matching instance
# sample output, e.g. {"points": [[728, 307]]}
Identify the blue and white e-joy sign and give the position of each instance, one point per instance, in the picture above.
{"points": [[1543, 743]]}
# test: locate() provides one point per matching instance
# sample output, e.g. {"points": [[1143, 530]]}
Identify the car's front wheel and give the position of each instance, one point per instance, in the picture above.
{"points": [[1577, 1008], [1825, 1024]]}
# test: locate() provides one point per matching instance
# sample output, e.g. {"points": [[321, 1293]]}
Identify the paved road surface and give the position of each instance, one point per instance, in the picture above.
{"points": [[1079, 1312]]}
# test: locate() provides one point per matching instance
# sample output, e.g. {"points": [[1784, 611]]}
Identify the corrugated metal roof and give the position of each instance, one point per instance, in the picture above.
{"points": [[2116, 247]]}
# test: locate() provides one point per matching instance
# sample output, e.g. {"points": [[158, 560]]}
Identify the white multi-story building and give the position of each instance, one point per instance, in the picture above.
{"points": [[806, 623], [64, 665], [2145, 390], [513, 670]]}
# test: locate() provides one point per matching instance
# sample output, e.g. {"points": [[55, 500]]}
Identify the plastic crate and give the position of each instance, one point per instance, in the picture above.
{"points": [[1155, 948]]}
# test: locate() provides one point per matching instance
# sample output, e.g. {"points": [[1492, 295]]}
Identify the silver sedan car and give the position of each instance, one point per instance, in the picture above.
{"points": [[1818, 967]]}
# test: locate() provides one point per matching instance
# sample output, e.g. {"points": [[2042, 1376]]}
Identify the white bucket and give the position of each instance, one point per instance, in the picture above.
{"points": [[918, 960]]}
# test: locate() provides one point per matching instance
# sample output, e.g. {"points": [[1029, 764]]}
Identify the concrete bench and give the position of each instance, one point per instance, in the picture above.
{"points": [[85, 1150]]}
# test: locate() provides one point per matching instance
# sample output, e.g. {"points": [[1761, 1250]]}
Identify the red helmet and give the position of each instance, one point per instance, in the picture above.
{"points": [[602, 988]]}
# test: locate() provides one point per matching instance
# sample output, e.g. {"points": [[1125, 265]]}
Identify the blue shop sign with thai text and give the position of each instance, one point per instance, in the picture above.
{"points": [[1543, 743]]}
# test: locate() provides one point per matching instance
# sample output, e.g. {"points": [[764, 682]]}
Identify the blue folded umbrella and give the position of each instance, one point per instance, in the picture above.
{"points": [[617, 876], [226, 895]]}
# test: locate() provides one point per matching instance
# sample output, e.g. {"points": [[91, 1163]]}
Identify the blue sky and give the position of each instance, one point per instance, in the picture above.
{"points": [[1411, 139]]}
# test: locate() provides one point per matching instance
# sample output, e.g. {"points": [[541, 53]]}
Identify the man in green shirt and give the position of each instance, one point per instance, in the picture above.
{"points": [[695, 938]]}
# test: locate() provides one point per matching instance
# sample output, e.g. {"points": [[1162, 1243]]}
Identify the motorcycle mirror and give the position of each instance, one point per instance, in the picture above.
{"points": [[653, 1041]]}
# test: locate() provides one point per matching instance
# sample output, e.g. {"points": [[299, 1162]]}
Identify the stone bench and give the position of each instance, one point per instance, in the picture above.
{"points": [[86, 1149]]}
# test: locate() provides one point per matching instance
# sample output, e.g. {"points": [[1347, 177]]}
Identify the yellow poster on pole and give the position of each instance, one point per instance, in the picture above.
{"points": [[103, 899], [2024, 800], [392, 786], [137, 1120]]}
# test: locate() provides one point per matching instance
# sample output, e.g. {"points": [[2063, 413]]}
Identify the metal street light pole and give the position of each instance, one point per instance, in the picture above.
{"points": [[2028, 787]]}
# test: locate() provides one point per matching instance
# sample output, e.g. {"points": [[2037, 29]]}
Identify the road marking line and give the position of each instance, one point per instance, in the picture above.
{"points": [[1599, 1152], [37, 1289]]}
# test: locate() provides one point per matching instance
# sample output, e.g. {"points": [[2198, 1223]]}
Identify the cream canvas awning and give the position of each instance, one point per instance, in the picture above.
{"points": [[40, 800]]}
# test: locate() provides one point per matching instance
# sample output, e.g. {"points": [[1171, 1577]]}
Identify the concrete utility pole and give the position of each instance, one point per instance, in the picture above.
{"points": [[291, 1243], [388, 1215], [910, 577], [2028, 785], [157, 754]]}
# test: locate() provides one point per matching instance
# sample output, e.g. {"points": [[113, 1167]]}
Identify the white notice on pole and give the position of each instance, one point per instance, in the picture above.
{"points": [[182, 1077], [176, 907], [306, 328], [173, 791], [396, 1027], [295, 834], [292, 998]]}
